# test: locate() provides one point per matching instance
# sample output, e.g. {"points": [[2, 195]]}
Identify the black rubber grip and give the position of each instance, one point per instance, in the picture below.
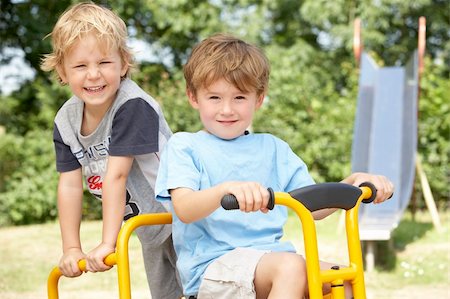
{"points": [[374, 192], [229, 201]]}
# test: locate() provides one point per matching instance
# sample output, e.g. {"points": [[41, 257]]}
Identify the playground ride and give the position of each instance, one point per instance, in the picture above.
{"points": [[387, 110], [303, 201]]}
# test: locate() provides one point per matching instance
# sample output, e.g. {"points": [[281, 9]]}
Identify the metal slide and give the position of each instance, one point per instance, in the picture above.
{"points": [[385, 139]]}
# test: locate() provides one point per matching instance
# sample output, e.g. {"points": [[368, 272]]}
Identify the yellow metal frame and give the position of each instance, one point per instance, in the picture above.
{"points": [[120, 257], [316, 277]]}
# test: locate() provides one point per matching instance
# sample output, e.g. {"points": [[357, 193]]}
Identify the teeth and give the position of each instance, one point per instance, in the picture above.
{"points": [[94, 88]]}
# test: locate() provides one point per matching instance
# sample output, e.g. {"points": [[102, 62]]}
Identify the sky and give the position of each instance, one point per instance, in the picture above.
{"points": [[14, 73]]}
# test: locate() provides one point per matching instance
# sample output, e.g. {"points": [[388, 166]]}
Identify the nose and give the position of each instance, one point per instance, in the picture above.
{"points": [[226, 107], [93, 72]]}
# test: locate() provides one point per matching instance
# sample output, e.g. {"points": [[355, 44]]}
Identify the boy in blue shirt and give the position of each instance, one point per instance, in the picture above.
{"points": [[231, 254]]}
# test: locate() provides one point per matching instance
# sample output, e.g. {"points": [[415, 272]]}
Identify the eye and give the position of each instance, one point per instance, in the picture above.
{"points": [[78, 66], [214, 98], [240, 98], [105, 62]]}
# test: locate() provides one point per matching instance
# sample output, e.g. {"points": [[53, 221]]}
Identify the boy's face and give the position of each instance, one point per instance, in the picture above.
{"points": [[93, 72], [225, 111]]}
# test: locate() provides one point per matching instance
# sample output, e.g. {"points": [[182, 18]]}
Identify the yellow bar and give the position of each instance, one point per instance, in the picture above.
{"points": [[316, 278], [310, 240], [52, 283], [354, 246], [337, 289], [120, 256], [347, 273], [55, 274], [123, 266]]}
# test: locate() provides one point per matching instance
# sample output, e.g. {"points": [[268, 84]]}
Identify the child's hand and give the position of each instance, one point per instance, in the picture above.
{"points": [[94, 258], [251, 196], [385, 188], [68, 264]]}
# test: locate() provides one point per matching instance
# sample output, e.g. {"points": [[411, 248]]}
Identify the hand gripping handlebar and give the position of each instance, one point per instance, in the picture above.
{"points": [[317, 197]]}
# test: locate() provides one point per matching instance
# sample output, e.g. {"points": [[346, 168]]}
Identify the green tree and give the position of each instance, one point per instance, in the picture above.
{"points": [[28, 192], [434, 129], [313, 87], [24, 24]]}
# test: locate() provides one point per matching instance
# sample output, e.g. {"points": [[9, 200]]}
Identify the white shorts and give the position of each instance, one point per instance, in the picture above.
{"points": [[231, 275]]}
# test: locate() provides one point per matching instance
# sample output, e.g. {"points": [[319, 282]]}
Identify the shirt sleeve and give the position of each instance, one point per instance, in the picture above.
{"points": [[295, 173], [135, 129], [65, 159], [178, 168]]}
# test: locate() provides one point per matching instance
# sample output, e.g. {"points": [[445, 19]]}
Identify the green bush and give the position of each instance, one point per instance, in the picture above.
{"points": [[307, 108], [29, 179], [434, 129], [28, 182]]}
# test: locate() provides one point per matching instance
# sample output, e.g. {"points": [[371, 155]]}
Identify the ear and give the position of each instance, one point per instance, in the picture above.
{"points": [[260, 101], [125, 59], [124, 69], [61, 73], [192, 99]]}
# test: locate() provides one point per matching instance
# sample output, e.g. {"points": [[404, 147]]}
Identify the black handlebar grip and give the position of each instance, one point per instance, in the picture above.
{"points": [[229, 201], [374, 191]]}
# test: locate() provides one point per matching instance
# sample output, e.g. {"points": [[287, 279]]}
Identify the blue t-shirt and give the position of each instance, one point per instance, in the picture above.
{"points": [[199, 161]]}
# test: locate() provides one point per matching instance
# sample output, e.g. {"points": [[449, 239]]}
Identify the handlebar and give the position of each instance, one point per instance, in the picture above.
{"points": [[120, 257], [318, 196], [229, 201]]}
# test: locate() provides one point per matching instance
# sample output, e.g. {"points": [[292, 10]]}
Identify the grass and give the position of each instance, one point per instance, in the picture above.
{"points": [[28, 253], [415, 263]]}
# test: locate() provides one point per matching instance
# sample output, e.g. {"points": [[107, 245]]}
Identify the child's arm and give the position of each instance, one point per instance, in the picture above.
{"points": [[190, 205], [384, 187], [70, 198], [113, 206]]}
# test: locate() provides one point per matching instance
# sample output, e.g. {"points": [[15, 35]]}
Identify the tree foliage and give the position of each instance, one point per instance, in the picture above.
{"points": [[29, 190], [313, 87], [434, 128], [24, 24]]}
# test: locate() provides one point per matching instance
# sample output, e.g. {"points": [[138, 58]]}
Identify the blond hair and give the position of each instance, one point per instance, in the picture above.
{"points": [[82, 19], [224, 56]]}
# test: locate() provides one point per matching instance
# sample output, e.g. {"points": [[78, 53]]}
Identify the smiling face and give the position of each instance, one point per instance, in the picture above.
{"points": [[225, 111], [93, 72]]}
